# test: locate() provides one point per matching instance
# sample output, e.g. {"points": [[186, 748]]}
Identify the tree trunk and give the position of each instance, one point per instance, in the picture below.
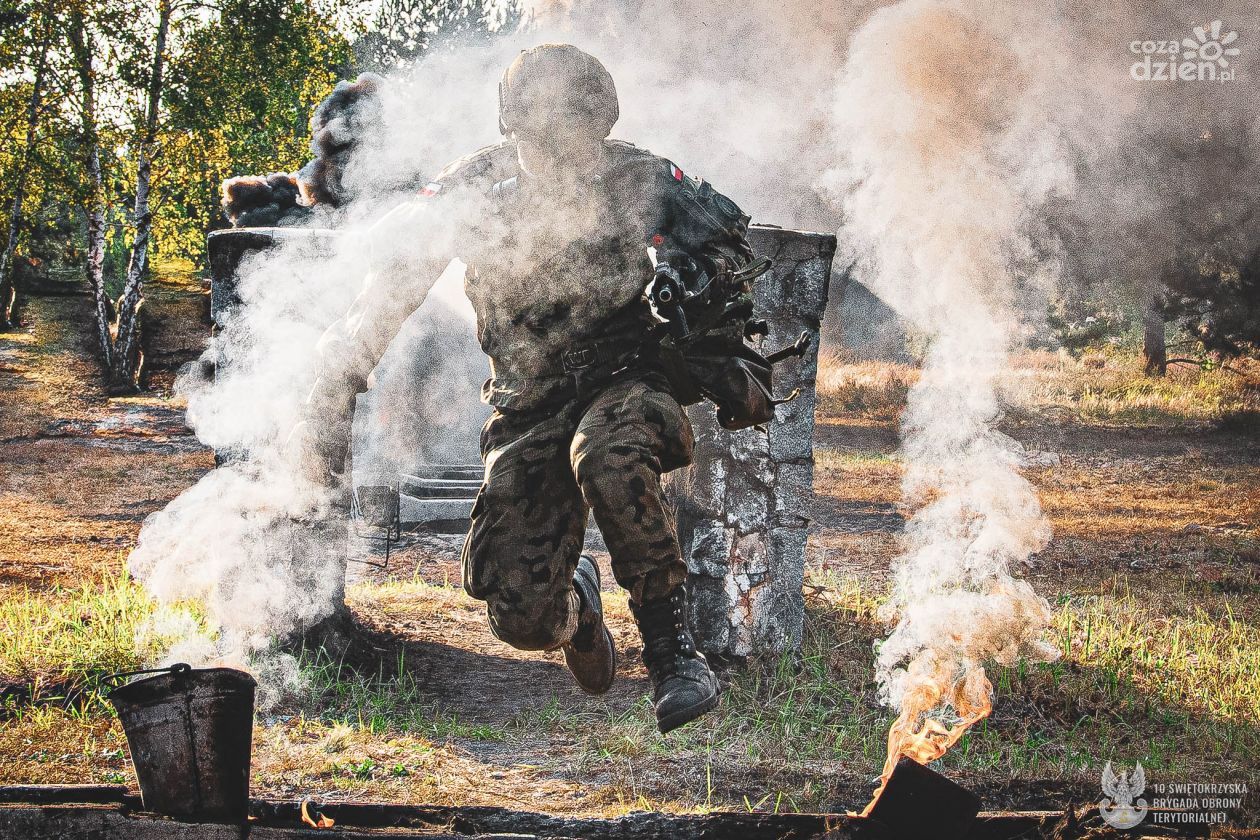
{"points": [[125, 369], [1154, 346], [7, 292], [81, 44]]}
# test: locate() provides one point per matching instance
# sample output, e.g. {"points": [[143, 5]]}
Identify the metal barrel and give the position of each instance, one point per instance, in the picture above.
{"points": [[190, 733]]}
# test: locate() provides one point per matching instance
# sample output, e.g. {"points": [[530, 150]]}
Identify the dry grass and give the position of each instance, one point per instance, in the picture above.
{"points": [[1153, 573], [48, 745], [300, 756], [1108, 388], [1113, 389], [1171, 678], [875, 390]]}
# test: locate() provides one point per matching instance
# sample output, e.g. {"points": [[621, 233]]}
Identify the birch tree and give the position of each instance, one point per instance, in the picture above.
{"points": [[33, 113], [125, 361], [82, 50]]}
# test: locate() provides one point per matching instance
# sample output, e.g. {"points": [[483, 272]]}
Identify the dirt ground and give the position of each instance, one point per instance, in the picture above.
{"points": [[1155, 540]]}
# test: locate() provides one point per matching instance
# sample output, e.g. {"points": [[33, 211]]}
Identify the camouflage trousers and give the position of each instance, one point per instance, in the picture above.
{"points": [[545, 473]]}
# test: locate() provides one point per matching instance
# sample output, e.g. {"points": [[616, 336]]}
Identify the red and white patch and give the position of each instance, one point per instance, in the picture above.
{"points": [[675, 172], [431, 189]]}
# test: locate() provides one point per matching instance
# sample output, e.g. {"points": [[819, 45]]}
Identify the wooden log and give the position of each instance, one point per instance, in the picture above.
{"points": [[110, 812], [68, 794]]}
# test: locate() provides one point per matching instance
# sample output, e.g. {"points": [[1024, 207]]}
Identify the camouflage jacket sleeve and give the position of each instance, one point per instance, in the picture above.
{"points": [[407, 250]]}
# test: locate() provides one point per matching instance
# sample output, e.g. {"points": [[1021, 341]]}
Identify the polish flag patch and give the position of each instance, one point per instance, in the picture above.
{"points": [[675, 172], [431, 189]]}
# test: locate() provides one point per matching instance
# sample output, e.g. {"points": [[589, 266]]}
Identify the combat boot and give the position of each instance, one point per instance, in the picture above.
{"points": [[590, 654], [683, 685]]}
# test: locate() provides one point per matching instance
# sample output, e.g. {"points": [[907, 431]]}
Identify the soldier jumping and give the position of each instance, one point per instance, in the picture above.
{"points": [[587, 416]]}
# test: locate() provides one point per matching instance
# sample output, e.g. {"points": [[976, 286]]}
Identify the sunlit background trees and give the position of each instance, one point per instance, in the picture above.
{"points": [[122, 118]]}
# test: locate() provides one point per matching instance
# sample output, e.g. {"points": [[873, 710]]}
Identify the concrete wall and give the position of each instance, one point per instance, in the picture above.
{"points": [[742, 505]]}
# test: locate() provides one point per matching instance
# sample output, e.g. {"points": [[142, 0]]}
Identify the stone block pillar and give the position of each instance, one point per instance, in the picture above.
{"points": [[743, 504]]}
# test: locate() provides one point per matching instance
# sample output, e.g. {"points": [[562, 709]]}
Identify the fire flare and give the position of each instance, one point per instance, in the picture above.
{"points": [[918, 732]]}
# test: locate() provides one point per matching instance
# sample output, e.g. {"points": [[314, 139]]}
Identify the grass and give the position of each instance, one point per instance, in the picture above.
{"points": [[67, 634], [1173, 681], [1161, 666], [1208, 665], [1104, 388], [1178, 692], [873, 390], [381, 702], [1114, 389]]}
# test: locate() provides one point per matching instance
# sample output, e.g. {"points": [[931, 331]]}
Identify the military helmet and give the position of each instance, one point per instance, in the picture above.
{"points": [[556, 86]]}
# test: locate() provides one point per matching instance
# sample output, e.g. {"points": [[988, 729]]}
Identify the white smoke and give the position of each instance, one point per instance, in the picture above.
{"points": [[950, 132], [241, 545], [963, 131], [945, 164]]}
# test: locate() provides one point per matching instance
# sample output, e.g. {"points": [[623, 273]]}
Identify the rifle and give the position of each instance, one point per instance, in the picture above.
{"points": [[666, 294]]}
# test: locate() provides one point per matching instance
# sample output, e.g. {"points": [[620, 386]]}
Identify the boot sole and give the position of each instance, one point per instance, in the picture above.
{"points": [[612, 645], [612, 670], [682, 717]]}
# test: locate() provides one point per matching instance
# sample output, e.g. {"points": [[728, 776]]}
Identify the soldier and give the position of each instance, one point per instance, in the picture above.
{"points": [[558, 222]]}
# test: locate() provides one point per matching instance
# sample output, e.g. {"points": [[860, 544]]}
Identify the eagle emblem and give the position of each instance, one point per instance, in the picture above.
{"points": [[1118, 809]]}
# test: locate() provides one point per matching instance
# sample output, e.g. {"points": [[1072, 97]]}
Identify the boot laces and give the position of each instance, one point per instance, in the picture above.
{"points": [[667, 644]]}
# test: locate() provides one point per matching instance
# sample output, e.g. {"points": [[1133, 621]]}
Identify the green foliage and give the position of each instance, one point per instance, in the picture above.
{"points": [[403, 30], [1082, 327], [1218, 302], [240, 95], [240, 82]]}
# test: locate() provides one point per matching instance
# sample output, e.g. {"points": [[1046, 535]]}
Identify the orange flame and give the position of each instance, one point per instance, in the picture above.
{"points": [[918, 735], [320, 822]]}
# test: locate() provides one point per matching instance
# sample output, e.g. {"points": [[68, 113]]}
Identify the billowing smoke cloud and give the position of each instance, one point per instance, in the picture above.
{"points": [[945, 161], [339, 126], [255, 543], [967, 138], [972, 157]]}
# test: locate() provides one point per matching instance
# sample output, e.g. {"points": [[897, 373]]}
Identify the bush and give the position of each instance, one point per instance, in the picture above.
{"points": [[876, 390]]}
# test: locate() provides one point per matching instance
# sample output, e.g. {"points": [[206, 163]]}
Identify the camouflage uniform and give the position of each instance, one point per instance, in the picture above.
{"points": [[544, 472], [584, 420]]}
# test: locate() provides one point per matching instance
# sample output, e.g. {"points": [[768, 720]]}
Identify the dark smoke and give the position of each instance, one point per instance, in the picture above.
{"points": [[351, 113], [263, 200]]}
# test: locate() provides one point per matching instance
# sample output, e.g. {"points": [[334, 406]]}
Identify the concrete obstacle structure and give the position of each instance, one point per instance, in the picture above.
{"points": [[742, 507]]}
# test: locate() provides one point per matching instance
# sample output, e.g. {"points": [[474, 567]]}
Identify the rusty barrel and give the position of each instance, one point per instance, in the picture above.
{"points": [[190, 732]]}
